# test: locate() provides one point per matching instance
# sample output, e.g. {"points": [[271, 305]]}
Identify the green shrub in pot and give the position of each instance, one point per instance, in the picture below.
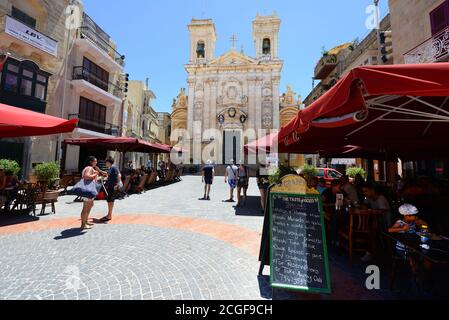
{"points": [[48, 172], [10, 166]]}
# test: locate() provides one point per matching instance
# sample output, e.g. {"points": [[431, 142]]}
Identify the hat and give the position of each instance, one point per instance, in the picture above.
{"points": [[232, 161], [408, 210], [209, 162]]}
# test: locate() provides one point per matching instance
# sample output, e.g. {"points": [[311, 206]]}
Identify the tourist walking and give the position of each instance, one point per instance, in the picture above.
{"points": [[242, 183], [231, 179], [208, 176]]}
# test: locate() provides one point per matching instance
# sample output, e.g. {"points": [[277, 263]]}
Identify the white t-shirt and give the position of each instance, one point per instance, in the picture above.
{"points": [[232, 172]]}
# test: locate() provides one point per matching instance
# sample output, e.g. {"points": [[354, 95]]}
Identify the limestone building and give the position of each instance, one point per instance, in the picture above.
{"points": [[231, 93], [33, 36]]}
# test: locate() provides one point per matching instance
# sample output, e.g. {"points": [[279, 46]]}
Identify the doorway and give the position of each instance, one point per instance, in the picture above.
{"points": [[232, 146]]}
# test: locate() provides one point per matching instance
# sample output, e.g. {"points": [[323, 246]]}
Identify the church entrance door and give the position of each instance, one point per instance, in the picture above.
{"points": [[232, 146]]}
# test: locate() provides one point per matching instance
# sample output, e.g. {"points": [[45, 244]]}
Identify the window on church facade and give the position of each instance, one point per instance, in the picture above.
{"points": [[266, 48], [201, 50]]}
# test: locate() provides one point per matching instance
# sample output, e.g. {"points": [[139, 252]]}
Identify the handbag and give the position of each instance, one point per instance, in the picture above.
{"points": [[85, 189]]}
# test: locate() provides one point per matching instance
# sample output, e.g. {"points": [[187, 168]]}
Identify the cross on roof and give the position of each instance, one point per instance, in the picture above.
{"points": [[233, 40]]}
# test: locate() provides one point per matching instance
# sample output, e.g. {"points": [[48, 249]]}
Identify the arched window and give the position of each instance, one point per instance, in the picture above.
{"points": [[201, 50], [266, 47]]}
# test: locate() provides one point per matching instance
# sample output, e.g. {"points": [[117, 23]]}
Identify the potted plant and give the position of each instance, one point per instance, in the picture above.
{"points": [[309, 172], [48, 173], [276, 174], [10, 166], [354, 171]]}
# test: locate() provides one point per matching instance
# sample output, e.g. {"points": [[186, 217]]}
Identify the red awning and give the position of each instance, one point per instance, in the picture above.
{"points": [[262, 145], [17, 122], [121, 145], [394, 109]]}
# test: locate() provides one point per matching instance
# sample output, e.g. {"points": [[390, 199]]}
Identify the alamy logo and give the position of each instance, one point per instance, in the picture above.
{"points": [[73, 17], [371, 21], [73, 281], [373, 280]]}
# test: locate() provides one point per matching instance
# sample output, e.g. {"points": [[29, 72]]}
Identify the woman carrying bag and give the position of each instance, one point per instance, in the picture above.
{"points": [[88, 191]]}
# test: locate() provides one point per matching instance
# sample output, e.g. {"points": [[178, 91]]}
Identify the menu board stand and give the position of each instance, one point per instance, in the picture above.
{"points": [[293, 239]]}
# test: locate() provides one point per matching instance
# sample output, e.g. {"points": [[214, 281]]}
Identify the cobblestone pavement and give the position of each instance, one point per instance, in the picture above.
{"points": [[124, 262], [163, 244], [180, 199]]}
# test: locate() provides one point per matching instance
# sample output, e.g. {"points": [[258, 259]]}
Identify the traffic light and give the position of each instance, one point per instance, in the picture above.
{"points": [[386, 46]]}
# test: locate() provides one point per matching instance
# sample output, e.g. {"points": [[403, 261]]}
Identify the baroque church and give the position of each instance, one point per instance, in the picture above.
{"points": [[232, 93]]}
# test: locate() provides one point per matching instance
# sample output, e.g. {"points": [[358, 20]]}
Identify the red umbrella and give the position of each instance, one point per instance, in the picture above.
{"points": [[393, 109], [17, 122], [121, 144]]}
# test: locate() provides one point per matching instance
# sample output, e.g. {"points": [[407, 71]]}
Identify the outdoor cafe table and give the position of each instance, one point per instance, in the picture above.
{"points": [[439, 246], [340, 218]]}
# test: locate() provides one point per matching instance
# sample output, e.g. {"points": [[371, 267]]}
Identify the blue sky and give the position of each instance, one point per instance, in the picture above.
{"points": [[154, 37]]}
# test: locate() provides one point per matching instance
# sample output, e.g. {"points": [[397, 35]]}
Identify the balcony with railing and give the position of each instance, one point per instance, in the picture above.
{"points": [[108, 91], [96, 125], [325, 66], [90, 34], [434, 49]]}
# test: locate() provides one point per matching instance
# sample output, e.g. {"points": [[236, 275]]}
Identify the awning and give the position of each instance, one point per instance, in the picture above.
{"points": [[18, 122], [396, 109], [121, 144], [262, 145]]}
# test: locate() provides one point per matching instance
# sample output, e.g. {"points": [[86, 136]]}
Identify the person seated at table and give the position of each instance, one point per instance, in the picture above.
{"points": [[330, 195], [410, 220], [322, 186], [377, 201], [349, 190], [409, 224], [359, 182]]}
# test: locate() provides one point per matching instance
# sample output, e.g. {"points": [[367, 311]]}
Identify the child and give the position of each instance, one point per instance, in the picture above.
{"points": [[410, 221], [409, 224]]}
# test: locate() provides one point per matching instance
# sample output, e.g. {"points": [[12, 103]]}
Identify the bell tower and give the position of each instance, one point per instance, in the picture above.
{"points": [[202, 40], [266, 35]]}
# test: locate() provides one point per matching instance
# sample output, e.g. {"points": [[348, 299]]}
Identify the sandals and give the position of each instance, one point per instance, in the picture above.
{"points": [[105, 219]]}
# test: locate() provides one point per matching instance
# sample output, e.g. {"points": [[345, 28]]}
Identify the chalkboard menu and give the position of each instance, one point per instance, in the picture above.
{"points": [[298, 255]]}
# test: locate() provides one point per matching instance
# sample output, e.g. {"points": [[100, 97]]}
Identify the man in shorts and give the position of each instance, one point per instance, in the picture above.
{"points": [[231, 179], [114, 179], [208, 179]]}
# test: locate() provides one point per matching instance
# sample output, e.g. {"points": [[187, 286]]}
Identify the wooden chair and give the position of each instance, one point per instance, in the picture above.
{"points": [[142, 183], [64, 183], [169, 176], [151, 179], [43, 197], [360, 234], [126, 185]]}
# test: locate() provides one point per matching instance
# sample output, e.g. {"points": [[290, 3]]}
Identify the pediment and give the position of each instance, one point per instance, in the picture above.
{"points": [[233, 58]]}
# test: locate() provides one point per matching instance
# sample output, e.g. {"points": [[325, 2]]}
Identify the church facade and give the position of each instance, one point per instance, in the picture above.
{"points": [[231, 99]]}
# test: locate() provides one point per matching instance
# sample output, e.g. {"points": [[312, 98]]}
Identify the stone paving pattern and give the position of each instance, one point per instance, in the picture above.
{"points": [[163, 244]]}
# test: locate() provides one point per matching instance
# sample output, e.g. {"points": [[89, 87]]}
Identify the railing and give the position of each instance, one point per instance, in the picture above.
{"points": [[103, 44], [328, 62], [434, 49], [81, 73], [97, 126]]}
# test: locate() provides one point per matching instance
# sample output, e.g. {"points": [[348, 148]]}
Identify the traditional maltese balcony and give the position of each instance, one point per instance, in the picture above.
{"points": [[434, 49], [325, 66]]}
